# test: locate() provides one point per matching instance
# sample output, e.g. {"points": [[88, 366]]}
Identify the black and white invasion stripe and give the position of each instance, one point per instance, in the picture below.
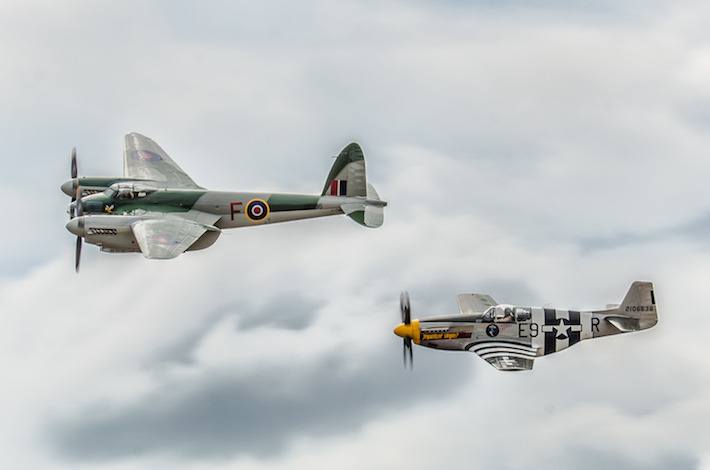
{"points": [[492, 349]]}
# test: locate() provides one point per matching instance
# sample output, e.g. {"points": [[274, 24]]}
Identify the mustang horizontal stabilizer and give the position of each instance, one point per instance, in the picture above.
{"points": [[474, 303], [624, 324], [167, 238]]}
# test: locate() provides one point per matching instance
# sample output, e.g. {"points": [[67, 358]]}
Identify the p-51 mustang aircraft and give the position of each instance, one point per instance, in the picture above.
{"points": [[157, 209], [510, 337]]}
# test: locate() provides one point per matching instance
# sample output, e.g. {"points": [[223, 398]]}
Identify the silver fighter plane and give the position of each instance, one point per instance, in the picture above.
{"points": [[510, 337]]}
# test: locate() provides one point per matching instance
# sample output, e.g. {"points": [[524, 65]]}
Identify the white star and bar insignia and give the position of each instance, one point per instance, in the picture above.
{"points": [[561, 330]]}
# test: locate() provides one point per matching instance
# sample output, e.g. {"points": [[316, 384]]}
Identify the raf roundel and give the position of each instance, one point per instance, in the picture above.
{"points": [[257, 210], [146, 156]]}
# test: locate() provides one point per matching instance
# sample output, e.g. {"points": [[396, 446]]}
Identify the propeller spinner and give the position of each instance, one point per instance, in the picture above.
{"points": [[406, 330]]}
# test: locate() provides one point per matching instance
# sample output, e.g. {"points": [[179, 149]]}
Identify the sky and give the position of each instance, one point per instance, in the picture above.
{"points": [[543, 152]]}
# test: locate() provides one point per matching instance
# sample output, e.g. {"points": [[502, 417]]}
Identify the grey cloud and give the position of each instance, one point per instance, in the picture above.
{"points": [[289, 310], [615, 241], [219, 416], [181, 350], [696, 230], [582, 6], [584, 458]]}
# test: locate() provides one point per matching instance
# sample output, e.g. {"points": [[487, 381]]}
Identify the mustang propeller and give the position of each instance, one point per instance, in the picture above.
{"points": [[405, 309]]}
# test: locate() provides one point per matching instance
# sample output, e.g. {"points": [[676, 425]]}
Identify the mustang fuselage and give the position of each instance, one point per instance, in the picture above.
{"points": [[511, 337], [539, 331]]}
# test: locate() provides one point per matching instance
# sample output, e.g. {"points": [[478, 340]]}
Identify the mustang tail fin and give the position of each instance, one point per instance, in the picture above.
{"points": [[640, 304]]}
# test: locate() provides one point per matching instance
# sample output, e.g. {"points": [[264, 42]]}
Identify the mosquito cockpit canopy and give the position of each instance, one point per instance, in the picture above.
{"points": [[128, 191]]}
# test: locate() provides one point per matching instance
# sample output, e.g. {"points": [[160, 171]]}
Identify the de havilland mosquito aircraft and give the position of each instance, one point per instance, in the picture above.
{"points": [[157, 209], [510, 337]]}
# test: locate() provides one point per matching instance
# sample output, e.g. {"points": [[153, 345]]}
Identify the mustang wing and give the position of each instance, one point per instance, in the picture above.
{"points": [[506, 356], [475, 303], [166, 238], [144, 159]]}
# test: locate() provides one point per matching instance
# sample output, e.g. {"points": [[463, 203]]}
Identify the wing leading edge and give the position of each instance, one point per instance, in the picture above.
{"points": [[167, 238], [144, 159]]}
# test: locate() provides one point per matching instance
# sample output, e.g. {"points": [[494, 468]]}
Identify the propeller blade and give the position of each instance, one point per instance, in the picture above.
{"points": [[77, 254], [74, 167], [405, 308], [79, 213], [411, 354], [74, 172], [79, 208], [407, 354]]}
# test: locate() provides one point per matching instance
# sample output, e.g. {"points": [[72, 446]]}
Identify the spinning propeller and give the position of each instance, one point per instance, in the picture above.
{"points": [[74, 181], [405, 309], [76, 209], [74, 168], [80, 221]]}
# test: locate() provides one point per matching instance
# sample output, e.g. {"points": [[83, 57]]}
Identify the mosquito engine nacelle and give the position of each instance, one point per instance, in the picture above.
{"points": [[109, 231]]}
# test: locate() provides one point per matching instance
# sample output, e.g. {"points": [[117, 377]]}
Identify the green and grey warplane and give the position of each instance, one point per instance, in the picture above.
{"points": [[510, 337], [157, 209]]}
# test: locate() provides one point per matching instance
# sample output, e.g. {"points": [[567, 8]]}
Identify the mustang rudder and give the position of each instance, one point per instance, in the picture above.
{"points": [[640, 303]]}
